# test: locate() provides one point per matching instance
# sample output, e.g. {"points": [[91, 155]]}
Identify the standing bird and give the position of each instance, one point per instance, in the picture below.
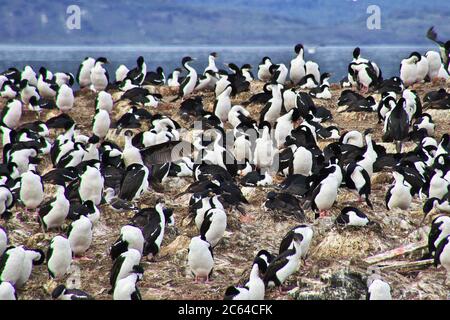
{"points": [[104, 101], [189, 83], [53, 213], [80, 235], [213, 226], [31, 190], [11, 114], [101, 123], [137, 75], [408, 69], [288, 240], [442, 257], [264, 69], [200, 258], [399, 195], [99, 76], [11, 264], [84, 72], [64, 98], [396, 125], [285, 264], [59, 257], [222, 105], [130, 238], [126, 264], [126, 288], [298, 68]]}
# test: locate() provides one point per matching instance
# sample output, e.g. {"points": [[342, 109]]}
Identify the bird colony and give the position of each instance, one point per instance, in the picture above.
{"points": [[224, 184]]}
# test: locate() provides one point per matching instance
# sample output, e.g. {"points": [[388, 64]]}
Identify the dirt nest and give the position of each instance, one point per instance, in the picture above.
{"points": [[335, 252]]}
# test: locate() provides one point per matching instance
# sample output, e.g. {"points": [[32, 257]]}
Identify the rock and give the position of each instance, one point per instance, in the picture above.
{"points": [[180, 243], [342, 285]]}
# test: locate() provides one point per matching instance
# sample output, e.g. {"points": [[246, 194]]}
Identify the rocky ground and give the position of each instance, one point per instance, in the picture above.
{"points": [[335, 268]]}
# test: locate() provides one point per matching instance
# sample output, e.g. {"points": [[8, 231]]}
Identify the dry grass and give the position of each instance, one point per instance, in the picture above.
{"points": [[332, 249]]}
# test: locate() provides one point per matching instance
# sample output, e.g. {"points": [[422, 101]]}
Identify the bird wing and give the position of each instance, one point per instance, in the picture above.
{"points": [[131, 183], [169, 151]]}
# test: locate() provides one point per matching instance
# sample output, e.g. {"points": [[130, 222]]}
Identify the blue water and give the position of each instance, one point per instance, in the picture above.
{"points": [[66, 59]]}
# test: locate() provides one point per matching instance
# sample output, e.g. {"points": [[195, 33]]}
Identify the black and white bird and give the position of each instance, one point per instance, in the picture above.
{"points": [[356, 178], [130, 238], [285, 264], [53, 213], [126, 264], [298, 68], [11, 114], [352, 216], [263, 69], [80, 235], [442, 257], [64, 98], [399, 195], [104, 101], [200, 258], [11, 264], [134, 183], [154, 230], [190, 81], [126, 288], [99, 75], [61, 292], [31, 190], [396, 125], [137, 75], [213, 226], [32, 258], [440, 228], [59, 257], [83, 76], [287, 242]]}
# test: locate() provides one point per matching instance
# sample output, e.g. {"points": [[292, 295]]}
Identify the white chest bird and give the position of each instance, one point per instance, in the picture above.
{"points": [[65, 98], [31, 258], [91, 185], [11, 264], [99, 76], [399, 195], [298, 68], [265, 151], [59, 257], [101, 123], [80, 235], [200, 258], [11, 114], [263, 69], [84, 72], [126, 288], [31, 189], [222, 105], [284, 125], [121, 73], [30, 75], [408, 69]]}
